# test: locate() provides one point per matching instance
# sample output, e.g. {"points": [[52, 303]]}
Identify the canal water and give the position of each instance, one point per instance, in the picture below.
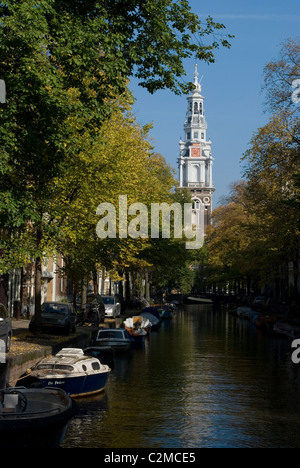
{"points": [[204, 380]]}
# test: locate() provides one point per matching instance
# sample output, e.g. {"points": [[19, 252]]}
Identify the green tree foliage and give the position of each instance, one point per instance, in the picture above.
{"points": [[64, 62]]}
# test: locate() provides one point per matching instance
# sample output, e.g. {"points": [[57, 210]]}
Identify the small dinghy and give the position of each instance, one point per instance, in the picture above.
{"points": [[35, 417], [71, 370]]}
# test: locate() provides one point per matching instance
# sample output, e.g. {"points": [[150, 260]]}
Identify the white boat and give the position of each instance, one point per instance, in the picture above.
{"points": [[33, 418], [137, 326], [72, 371]]}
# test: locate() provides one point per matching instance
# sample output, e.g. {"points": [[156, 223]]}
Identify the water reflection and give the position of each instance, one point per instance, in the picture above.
{"points": [[205, 379]]}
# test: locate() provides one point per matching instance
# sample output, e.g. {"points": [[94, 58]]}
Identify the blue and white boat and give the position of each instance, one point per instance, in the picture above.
{"points": [[70, 370], [115, 339]]}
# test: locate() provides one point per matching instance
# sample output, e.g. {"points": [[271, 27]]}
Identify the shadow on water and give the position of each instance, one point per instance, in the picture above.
{"points": [[205, 379]]}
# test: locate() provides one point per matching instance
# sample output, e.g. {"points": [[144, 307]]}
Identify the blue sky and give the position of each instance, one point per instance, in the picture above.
{"points": [[232, 86]]}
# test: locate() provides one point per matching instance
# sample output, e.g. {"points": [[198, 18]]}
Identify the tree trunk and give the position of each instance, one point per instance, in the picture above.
{"points": [[127, 288], [83, 295], [38, 285], [38, 293], [147, 286]]}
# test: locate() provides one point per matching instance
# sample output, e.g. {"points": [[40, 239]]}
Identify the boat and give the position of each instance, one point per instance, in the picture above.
{"points": [[35, 417], [112, 339], [151, 314], [198, 300], [286, 328], [231, 308], [137, 326], [72, 371], [244, 312], [266, 322], [165, 311]]}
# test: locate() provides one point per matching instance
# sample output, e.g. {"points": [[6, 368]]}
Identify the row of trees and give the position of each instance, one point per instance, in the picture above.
{"points": [[253, 242], [68, 141]]}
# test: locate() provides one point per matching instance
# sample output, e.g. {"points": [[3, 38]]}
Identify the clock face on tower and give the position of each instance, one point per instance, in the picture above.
{"points": [[195, 152]]}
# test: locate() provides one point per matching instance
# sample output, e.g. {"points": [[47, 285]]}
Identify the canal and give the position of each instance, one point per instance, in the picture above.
{"points": [[204, 380]]}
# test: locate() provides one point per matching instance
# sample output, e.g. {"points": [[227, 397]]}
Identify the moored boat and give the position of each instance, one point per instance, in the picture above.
{"points": [[35, 417], [137, 326], [151, 314], [70, 370], [166, 313], [198, 300], [287, 329], [114, 339]]}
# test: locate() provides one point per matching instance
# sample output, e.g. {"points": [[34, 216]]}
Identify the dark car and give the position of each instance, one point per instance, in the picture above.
{"points": [[5, 329], [60, 316]]}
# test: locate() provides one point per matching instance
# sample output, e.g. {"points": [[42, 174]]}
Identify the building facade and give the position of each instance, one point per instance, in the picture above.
{"points": [[195, 160]]}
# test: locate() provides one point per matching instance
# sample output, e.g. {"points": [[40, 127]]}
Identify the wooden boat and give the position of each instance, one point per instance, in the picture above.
{"points": [[71, 370], [116, 339], [137, 326], [35, 417]]}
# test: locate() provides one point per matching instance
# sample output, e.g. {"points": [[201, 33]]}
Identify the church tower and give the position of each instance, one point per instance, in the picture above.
{"points": [[195, 160]]}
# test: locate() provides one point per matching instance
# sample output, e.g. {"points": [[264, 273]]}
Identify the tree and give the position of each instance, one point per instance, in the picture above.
{"points": [[64, 61], [281, 84]]}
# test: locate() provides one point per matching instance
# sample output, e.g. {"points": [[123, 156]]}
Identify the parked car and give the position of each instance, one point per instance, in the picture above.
{"points": [[60, 316], [5, 329], [94, 304], [112, 306]]}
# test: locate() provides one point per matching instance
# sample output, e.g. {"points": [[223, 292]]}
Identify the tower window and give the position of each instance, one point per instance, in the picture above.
{"points": [[202, 136], [188, 135], [196, 134], [200, 108], [196, 108], [196, 204]]}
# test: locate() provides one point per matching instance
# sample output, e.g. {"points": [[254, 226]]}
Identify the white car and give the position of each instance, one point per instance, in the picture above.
{"points": [[112, 306]]}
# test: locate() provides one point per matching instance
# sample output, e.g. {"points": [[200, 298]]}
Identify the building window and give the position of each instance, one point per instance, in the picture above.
{"points": [[196, 135], [196, 204], [200, 108], [188, 135], [196, 108]]}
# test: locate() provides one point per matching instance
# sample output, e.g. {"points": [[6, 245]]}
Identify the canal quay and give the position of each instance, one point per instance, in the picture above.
{"points": [[204, 379]]}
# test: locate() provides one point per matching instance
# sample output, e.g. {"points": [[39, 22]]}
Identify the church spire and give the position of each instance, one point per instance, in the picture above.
{"points": [[195, 160], [196, 82]]}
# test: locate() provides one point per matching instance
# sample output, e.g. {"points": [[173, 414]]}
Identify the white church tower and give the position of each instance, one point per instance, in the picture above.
{"points": [[195, 161]]}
